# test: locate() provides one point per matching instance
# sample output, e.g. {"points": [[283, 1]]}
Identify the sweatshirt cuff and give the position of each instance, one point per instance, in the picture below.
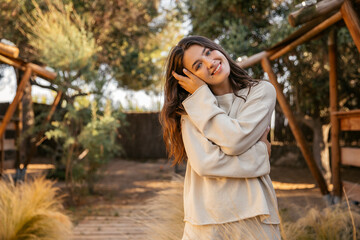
{"points": [[200, 91]]}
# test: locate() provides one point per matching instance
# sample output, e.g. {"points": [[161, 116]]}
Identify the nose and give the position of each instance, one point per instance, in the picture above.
{"points": [[210, 63]]}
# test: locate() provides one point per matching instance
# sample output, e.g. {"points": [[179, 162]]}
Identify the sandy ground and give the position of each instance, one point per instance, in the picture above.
{"points": [[128, 183]]}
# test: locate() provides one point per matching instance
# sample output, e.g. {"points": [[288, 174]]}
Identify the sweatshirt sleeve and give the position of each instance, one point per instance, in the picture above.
{"points": [[233, 135], [208, 160]]}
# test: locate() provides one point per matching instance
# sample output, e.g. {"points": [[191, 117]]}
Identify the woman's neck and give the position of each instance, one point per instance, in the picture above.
{"points": [[222, 88]]}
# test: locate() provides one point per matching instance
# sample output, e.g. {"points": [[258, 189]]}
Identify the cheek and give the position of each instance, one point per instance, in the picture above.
{"points": [[204, 75]]}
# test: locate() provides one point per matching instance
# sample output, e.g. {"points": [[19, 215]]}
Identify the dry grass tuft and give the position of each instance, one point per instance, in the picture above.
{"points": [[32, 210], [332, 223], [169, 212]]}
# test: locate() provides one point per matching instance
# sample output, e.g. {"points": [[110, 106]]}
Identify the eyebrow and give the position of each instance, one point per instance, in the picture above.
{"points": [[198, 60]]}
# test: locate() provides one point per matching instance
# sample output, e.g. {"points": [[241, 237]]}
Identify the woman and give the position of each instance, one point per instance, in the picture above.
{"points": [[217, 118]]}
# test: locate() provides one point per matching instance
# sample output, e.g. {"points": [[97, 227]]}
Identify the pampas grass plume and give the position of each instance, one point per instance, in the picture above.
{"points": [[32, 210]]}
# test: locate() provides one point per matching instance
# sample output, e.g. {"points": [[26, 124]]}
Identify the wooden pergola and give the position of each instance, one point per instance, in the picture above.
{"points": [[316, 19], [9, 55]]}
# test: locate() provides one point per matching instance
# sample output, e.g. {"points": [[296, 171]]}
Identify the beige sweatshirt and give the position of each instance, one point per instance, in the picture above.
{"points": [[227, 175]]}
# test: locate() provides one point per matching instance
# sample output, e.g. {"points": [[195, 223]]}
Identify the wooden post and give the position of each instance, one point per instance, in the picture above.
{"points": [[19, 129], [36, 141], [307, 36], [294, 128], [2, 156], [19, 93], [335, 148], [352, 22]]}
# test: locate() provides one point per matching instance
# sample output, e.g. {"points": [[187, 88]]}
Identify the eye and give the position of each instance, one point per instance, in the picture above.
{"points": [[198, 66], [208, 52]]}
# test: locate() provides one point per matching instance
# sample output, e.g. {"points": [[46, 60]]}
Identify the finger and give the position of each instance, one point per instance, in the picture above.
{"points": [[264, 135], [188, 73], [268, 129], [179, 77]]}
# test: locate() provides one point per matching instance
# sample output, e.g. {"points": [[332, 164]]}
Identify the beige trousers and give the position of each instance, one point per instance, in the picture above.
{"points": [[248, 229]]}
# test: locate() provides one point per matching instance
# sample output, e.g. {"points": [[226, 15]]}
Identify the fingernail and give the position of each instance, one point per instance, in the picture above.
{"points": [[184, 69]]}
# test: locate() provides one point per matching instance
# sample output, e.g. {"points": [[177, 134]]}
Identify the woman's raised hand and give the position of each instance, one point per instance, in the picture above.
{"points": [[189, 83], [264, 139]]}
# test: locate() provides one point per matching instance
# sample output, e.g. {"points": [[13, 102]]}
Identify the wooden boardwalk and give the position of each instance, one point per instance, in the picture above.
{"points": [[128, 223]]}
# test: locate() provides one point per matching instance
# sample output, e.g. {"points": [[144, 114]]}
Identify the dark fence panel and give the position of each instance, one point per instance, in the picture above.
{"points": [[142, 137]]}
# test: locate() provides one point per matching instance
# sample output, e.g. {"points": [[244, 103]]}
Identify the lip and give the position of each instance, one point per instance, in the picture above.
{"points": [[218, 67]]}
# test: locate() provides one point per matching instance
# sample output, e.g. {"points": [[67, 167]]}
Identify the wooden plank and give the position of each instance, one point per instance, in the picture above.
{"points": [[352, 190], [10, 51], [300, 139], [9, 144], [10, 127], [347, 114], [9, 164], [309, 13], [350, 156], [19, 94], [352, 22], [350, 124], [309, 35]]}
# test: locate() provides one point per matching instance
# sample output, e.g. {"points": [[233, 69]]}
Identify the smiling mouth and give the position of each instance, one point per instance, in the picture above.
{"points": [[217, 69]]}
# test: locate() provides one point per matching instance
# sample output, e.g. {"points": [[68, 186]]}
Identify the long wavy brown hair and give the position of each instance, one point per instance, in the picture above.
{"points": [[174, 94]]}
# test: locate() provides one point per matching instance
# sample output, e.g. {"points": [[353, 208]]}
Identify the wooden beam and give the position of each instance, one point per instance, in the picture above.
{"points": [[309, 35], [350, 156], [53, 107], [352, 22], [42, 72], [254, 59], [335, 147], [352, 190], [12, 62], [10, 51], [300, 139], [19, 94], [39, 71], [347, 114], [309, 13]]}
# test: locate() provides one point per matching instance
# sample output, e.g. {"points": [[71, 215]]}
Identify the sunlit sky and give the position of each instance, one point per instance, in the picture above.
{"points": [[117, 95]]}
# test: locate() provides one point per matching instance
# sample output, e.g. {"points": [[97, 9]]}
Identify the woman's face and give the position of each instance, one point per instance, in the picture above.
{"points": [[211, 66]]}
